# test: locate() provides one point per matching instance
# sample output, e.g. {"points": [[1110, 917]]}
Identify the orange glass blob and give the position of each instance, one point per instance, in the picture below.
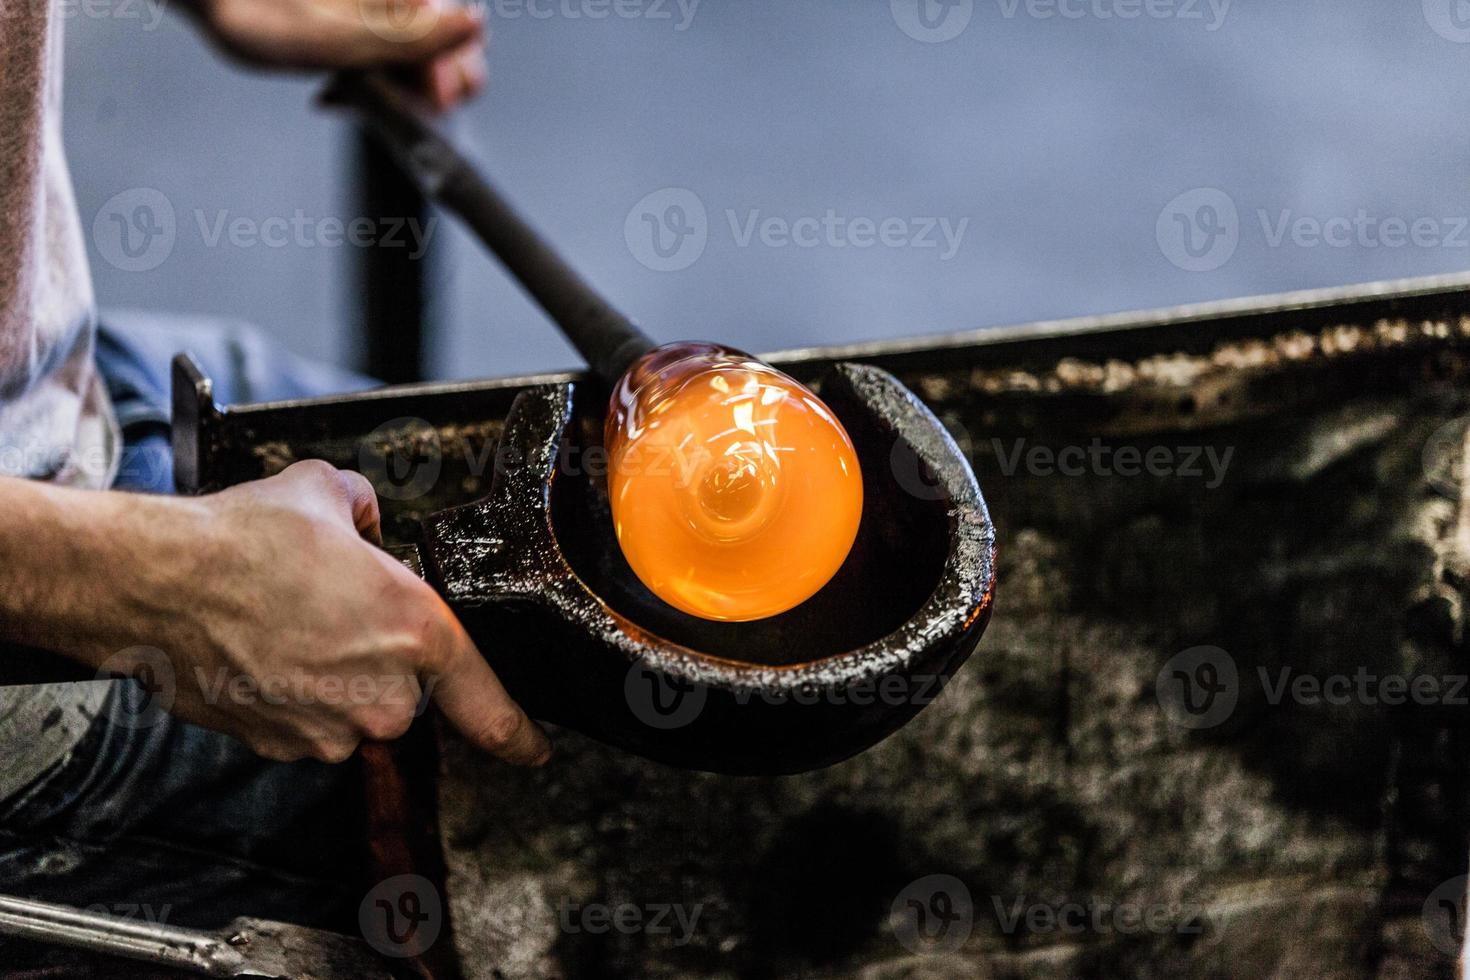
{"points": [[736, 493]]}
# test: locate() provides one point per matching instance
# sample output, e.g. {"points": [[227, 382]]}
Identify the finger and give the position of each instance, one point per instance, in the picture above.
{"points": [[454, 77], [406, 33], [320, 488], [321, 735], [474, 70], [274, 746], [442, 83], [362, 499], [473, 700]]}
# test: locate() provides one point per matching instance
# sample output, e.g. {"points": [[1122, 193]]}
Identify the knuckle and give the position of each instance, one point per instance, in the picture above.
{"points": [[277, 752], [424, 638], [353, 477], [501, 729], [333, 750], [315, 469], [386, 724]]}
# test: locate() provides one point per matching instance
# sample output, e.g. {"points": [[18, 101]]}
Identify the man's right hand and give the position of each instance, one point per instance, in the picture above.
{"points": [[273, 587]]}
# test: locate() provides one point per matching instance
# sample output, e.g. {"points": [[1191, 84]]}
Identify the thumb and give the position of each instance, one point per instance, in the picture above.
{"points": [[473, 700]]}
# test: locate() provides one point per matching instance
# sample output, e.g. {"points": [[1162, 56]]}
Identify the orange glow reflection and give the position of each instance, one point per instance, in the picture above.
{"points": [[736, 493]]}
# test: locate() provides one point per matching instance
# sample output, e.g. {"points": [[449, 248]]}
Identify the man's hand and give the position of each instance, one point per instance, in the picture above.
{"points": [[267, 588], [441, 45]]}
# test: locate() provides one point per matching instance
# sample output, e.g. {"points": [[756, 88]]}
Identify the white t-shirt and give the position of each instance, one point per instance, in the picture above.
{"points": [[55, 419]]}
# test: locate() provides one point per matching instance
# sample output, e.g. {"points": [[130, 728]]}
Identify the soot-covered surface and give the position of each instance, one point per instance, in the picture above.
{"points": [[1303, 520], [1298, 554]]}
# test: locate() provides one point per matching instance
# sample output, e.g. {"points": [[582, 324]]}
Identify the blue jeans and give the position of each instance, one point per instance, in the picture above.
{"points": [[174, 821]]}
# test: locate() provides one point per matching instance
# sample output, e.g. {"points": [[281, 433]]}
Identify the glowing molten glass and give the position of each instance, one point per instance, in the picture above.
{"points": [[736, 493]]}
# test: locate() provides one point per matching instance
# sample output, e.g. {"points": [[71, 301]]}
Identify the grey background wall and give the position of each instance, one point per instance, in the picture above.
{"points": [[1068, 147]]}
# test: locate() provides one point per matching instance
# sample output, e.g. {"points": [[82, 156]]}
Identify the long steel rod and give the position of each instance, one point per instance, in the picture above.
{"points": [[603, 336], [61, 925]]}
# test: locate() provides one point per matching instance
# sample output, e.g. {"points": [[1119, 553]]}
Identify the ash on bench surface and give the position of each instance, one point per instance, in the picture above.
{"points": [[1093, 833]]}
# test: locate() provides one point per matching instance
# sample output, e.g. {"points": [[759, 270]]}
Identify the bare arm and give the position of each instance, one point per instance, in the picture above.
{"points": [[271, 582]]}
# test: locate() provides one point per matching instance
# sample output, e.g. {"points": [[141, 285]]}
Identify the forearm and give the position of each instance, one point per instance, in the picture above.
{"points": [[88, 573]]}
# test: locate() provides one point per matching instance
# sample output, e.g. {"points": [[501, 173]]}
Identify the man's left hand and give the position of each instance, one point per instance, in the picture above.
{"points": [[441, 44]]}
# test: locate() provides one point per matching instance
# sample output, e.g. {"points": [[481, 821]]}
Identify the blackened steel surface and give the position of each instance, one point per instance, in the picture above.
{"points": [[391, 280], [788, 694], [533, 569]]}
